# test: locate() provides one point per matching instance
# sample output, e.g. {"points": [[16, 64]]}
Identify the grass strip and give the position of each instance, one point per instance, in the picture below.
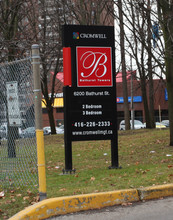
{"points": [[145, 156]]}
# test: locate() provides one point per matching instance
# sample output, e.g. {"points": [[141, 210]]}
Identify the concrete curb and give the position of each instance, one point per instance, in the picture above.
{"points": [[70, 204], [155, 192]]}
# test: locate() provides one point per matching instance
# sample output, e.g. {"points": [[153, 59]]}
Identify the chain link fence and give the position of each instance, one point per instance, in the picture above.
{"points": [[18, 153]]}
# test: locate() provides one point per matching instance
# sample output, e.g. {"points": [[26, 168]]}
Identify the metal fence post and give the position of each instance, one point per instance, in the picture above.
{"points": [[38, 121]]}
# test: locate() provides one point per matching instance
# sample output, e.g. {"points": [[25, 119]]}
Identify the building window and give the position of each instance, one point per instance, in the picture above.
{"points": [[139, 115], [44, 110], [59, 110]]}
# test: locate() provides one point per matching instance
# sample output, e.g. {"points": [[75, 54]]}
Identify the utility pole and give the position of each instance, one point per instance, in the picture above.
{"points": [[132, 110]]}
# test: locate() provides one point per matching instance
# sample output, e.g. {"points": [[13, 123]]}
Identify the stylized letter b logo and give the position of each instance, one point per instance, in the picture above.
{"points": [[94, 66]]}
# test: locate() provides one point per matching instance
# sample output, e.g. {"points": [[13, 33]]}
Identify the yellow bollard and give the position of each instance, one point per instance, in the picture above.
{"points": [[41, 164]]}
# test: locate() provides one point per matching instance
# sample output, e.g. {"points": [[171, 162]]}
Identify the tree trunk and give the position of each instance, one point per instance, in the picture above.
{"points": [[150, 72], [165, 9], [140, 59], [51, 119], [145, 102], [125, 93], [169, 81], [170, 107]]}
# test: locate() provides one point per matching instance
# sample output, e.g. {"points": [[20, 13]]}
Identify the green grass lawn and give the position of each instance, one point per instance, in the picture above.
{"points": [[144, 155]]}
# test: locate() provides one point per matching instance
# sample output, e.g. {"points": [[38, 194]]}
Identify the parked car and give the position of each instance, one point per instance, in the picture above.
{"points": [[47, 130], [165, 122], [159, 125], [137, 124], [4, 131], [59, 130], [28, 132]]}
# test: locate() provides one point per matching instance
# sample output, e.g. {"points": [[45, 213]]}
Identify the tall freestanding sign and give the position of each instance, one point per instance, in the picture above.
{"points": [[89, 88]]}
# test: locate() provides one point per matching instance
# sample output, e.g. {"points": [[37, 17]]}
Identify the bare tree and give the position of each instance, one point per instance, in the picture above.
{"points": [[12, 43], [24, 23], [123, 63], [89, 12], [165, 15], [139, 17], [49, 38], [145, 68], [42, 24], [12, 17], [138, 52], [52, 14]]}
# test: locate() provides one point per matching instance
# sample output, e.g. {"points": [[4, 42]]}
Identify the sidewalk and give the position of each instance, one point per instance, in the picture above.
{"points": [[70, 204]]}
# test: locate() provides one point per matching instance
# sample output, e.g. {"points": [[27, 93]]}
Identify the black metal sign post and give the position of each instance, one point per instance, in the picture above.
{"points": [[67, 139], [89, 88]]}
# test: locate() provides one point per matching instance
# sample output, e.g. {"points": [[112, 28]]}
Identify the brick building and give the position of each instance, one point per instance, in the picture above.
{"points": [[160, 102]]}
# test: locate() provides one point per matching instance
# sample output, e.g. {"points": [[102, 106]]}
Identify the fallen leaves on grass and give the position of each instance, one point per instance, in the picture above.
{"points": [[19, 195], [158, 141], [78, 191], [62, 189], [29, 192], [165, 161], [8, 202], [35, 200], [92, 178], [26, 198]]}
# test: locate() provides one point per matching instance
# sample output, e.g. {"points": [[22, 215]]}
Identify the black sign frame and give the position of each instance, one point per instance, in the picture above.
{"points": [[89, 113]]}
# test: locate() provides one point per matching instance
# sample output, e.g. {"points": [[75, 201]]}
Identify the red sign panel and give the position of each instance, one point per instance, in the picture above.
{"points": [[94, 66]]}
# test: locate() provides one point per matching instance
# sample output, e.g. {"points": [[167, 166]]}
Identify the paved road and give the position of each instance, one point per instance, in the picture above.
{"points": [[161, 209]]}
